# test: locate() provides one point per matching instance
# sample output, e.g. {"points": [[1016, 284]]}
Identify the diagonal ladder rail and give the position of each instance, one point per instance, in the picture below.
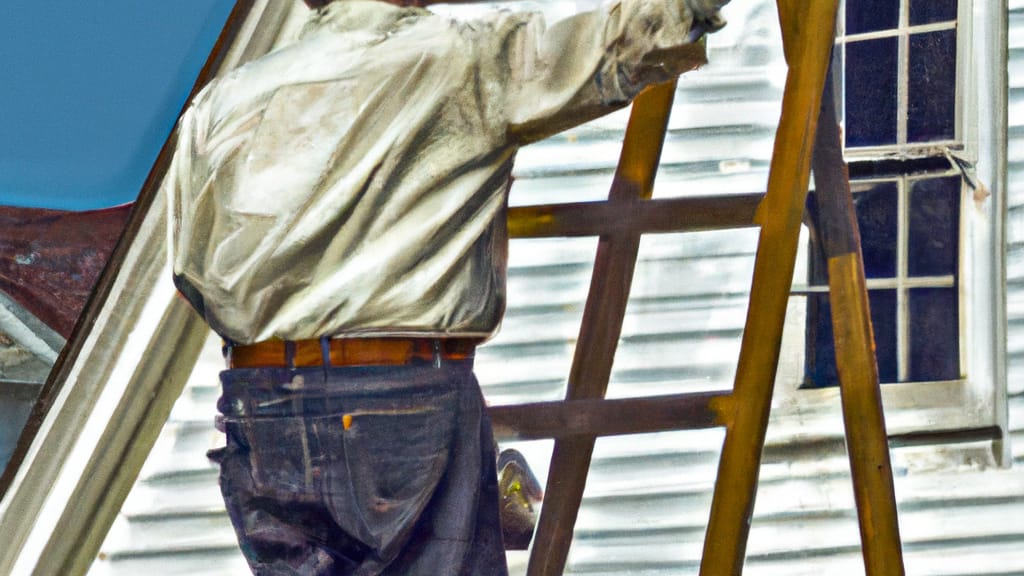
{"points": [[855, 352], [808, 49], [602, 324], [808, 30]]}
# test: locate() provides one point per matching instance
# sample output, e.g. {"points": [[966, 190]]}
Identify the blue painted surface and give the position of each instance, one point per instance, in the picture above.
{"points": [[90, 92]]}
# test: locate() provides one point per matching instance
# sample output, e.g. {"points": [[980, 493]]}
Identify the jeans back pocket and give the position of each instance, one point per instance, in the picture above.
{"points": [[396, 451]]}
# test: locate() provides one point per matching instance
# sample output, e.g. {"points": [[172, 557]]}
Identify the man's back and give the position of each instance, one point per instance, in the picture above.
{"points": [[354, 183], [354, 170]]}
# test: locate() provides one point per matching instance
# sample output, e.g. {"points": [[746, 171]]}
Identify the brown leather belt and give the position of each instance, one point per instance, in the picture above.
{"points": [[348, 352]]}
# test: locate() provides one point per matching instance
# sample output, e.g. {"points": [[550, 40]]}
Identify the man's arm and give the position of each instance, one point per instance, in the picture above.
{"points": [[177, 181], [596, 62], [180, 187]]}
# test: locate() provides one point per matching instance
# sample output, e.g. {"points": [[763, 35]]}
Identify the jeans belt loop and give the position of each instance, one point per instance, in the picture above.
{"points": [[437, 352], [226, 347], [326, 351], [289, 354]]}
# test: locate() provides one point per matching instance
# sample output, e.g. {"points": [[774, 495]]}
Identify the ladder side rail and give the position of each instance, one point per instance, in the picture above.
{"points": [[807, 30], [861, 397], [600, 329]]}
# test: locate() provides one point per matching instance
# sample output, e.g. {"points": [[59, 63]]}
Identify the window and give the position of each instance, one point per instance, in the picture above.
{"points": [[130, 312], [902, 130], [91, 94]]}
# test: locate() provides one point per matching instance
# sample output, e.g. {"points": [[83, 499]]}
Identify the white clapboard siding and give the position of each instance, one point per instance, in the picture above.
{"points": [[647, 500]]}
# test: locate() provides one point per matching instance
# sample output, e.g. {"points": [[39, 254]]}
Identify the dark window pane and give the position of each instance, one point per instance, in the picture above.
{"points": [[931, 94], [871, 92], [820, 362], [929, 11], [934, 335], [934, 227], [871, 15], [820, 369], [883, 320], [878, 221]]}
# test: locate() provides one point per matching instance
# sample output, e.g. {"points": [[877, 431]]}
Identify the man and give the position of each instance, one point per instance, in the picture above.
{"points": [[338, 216]]}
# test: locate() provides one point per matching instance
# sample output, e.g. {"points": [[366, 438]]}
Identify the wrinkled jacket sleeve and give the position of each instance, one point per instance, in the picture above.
{"points": [[177, 184], [183, 186], [595, 62]]}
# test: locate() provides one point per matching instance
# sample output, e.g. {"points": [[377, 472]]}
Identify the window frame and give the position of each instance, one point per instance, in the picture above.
{"points": [[974, 407]]}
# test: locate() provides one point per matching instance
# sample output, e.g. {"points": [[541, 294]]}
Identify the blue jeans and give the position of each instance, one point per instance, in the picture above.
{"points": [[361, 470]]}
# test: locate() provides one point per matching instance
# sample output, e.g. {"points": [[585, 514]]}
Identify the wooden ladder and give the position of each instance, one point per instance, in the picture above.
{"points": [[576, 422]]}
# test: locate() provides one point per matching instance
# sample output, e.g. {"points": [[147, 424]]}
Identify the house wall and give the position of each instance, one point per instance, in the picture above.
{"points": [[648, 496]]}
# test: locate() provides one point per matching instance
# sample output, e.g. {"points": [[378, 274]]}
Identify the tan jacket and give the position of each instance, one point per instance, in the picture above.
{"points": [[355, 182]]}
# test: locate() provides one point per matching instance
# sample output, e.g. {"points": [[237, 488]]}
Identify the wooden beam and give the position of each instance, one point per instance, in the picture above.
{"points": [[598, 417], [633, 217], [808, 32], [600, 330], [855, 351]]}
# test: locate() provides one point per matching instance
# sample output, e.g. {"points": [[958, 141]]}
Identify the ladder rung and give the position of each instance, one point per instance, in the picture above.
{"points": [[599, 417], [636, 216]]}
